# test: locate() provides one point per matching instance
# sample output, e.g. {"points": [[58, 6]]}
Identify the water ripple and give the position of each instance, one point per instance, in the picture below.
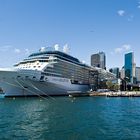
{"points": [[84, 118]]}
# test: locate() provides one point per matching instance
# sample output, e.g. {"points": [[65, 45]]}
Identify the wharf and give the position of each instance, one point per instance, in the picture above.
{"points": [[124, 94], [108, 94]]}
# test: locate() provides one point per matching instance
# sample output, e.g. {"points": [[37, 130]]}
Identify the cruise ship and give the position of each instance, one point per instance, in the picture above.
{"points": [[46, 73]]}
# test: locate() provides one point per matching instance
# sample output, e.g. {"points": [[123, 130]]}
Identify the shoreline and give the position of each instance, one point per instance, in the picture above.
{"points": [[95, 94], [108, 94]]}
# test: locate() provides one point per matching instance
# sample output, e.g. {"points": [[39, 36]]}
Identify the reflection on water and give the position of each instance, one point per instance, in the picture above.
{"points": [[70, 118]]}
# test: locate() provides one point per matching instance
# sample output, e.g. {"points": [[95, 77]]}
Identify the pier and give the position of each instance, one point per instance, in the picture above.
{"points": [[108, 94]]}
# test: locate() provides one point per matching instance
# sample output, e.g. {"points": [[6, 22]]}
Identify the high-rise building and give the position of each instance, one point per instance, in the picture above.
{"points": [[115, 71], [130, 67], [138, 74], [122, 73], [99, 60]]}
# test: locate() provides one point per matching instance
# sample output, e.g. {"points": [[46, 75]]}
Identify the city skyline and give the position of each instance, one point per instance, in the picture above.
{"points": [[87, 26]]}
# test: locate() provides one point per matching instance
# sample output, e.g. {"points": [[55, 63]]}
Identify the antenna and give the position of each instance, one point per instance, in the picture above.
{"points": [[66, 49], [42, 49]]}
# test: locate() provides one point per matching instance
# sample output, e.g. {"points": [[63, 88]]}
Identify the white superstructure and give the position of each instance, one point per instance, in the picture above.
{"points": [[46, 73]]}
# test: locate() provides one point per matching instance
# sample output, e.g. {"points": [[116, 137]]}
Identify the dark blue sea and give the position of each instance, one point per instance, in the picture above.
{"points": [[64, 118]]}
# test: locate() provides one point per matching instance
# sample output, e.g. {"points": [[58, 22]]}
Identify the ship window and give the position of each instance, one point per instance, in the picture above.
{"points": [[42, 78], [43, 60]]}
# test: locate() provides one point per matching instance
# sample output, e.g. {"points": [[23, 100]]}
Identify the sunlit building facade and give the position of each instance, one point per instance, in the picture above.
{"points": [[130, 67], [99, 60], [138, 74]]}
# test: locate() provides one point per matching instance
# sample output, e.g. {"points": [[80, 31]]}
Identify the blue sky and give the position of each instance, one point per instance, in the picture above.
{"points": [[87, 26]]}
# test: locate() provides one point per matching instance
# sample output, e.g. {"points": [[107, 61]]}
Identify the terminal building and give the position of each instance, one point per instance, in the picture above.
{"points": [[115, 71], [98, 60]]}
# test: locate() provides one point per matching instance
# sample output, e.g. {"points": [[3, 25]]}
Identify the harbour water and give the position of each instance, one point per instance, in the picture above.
{"points": [[64, 118]]}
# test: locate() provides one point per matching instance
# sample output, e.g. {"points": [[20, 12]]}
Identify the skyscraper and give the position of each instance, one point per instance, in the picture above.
{"points": [[129, 67], [122, 73], [99, 60], [138, 74]]}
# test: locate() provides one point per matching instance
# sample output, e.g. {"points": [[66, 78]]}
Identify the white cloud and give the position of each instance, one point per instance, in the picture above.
{"points": [[138, 5], [5, 48], [130, 18], [126, 47], [112, 53], [118, 50], [17, 50], [121, 12], [27, 52], [122, 49]]}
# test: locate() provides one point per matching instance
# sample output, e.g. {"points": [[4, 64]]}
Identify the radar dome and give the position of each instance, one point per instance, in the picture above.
{"points": [[56, 47]]}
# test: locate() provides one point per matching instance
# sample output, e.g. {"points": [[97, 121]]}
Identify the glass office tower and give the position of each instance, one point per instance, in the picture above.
{"points": [[129, 67]]}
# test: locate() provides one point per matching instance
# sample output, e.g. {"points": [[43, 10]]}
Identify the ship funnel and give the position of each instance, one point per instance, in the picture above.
{"points": [[56, 47], [66, 49]]}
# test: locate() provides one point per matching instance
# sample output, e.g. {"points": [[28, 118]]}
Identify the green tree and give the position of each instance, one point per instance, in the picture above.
{"points": [[109, 85], [112, 86]]}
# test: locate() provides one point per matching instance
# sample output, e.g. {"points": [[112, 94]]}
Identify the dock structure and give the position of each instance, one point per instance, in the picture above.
{"points": [[124, 94], [107, 94]]}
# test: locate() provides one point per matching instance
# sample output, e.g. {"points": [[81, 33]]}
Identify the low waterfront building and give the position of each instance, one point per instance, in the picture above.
{"points": [[115, 71]]}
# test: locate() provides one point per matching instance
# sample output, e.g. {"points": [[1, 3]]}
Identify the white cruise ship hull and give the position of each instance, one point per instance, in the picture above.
{"points": [[29, 83]]}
